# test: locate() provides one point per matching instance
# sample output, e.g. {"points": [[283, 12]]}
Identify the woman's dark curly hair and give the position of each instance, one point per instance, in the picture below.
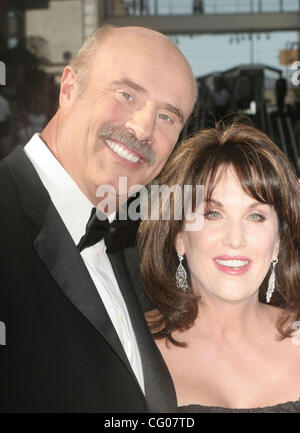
{"points": [[266, 175]]}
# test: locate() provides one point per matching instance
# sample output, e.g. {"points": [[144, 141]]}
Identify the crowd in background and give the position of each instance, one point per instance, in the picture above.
{"points": [[25, 108], [230, 94]]}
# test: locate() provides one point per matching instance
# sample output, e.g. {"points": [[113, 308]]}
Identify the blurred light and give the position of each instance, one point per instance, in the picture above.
{"points": [[12, 42], [252, 108]]}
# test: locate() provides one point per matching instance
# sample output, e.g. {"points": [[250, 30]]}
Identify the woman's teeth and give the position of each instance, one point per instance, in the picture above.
{"points": [[233, 263], [120, 151]]}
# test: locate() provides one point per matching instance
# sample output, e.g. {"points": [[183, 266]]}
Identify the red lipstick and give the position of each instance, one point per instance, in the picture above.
{"points": [[236, 265]]}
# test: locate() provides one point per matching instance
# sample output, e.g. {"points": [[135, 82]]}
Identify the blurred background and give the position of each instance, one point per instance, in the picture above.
{"points": [[243, 53]]}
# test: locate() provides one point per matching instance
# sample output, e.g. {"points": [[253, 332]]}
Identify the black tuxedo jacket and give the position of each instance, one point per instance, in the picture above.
{"points": [[62, 353]]}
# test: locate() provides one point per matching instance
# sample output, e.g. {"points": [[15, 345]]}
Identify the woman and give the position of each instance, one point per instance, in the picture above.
{"points": [[228, 330]]}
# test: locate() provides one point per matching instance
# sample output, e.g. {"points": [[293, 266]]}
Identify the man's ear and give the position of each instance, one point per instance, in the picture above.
{"points": [[179, 244], [68, 88]]}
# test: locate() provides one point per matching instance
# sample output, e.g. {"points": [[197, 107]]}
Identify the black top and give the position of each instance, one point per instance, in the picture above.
{"points": [[288, 407]]}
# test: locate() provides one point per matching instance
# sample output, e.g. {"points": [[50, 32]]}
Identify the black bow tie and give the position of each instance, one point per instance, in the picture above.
{"points": [[117, 235]]}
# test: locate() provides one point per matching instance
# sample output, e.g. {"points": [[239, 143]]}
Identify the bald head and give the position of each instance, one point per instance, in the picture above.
{"points": [[146, 41], [151, 40]]}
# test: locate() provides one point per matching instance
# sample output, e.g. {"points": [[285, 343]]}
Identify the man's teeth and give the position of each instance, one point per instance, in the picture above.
{"points": [[233, 263], [123, 153]]}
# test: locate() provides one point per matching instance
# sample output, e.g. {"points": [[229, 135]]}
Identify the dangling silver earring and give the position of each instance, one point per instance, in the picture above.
{"points": [[181, 277], [271, 284]]}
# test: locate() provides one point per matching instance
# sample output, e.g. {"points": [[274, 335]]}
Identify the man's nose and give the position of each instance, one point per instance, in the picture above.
{"points": [[234, 235], [142, 122]]}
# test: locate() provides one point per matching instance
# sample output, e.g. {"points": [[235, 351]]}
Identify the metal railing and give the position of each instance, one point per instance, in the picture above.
{"points": [[194, 7]]}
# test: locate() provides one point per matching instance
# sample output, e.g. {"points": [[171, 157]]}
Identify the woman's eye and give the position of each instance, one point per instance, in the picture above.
{"points": [[212, 215], [257, 217]]}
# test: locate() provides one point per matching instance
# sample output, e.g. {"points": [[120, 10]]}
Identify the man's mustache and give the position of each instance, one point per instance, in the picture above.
{"points": [[142, 147]]}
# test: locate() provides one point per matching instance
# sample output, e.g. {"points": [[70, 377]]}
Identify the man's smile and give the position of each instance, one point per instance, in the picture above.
{"points": [[122, 151]]}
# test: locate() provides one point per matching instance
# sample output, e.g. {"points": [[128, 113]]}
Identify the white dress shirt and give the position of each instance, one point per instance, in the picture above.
{"points": [[75, 209]]}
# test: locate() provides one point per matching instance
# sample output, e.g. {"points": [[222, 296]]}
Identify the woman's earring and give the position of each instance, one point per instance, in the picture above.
{"points": [[272, 279], [181, 277]]}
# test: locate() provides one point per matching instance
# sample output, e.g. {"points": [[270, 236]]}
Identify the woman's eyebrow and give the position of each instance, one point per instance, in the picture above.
{"points": [[216, 202], [219, 204], [257, 203]]}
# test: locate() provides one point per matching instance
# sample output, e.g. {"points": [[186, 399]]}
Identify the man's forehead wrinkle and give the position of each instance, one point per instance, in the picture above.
{"points": [[99, 94]]}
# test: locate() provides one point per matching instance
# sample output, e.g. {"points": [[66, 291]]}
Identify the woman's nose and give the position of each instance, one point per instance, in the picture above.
{"points": [[234, 235]]}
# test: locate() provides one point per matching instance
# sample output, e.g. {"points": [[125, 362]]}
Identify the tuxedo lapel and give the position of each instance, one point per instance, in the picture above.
{"points": [[63, 260], [57, 250], [159, 388]]}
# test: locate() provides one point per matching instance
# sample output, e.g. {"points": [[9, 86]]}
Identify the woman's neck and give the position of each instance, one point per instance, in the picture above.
{"points": [[221, 319]]}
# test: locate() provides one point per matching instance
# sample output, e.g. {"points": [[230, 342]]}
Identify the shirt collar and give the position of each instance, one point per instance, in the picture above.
{"points": [[72, 205]]}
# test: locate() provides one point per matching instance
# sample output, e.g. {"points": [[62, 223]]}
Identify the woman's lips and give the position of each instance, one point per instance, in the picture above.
{"points": [[232, 265]]}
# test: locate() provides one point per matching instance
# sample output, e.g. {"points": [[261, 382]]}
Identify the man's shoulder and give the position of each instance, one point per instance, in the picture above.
{"points": [[7, 185], [4, 173], [3, 102], [16, 167]]}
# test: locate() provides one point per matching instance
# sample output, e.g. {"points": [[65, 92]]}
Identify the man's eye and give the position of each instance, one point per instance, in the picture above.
{"points": [[126, 96], [212, 215], [165, 117], [257, 217]]}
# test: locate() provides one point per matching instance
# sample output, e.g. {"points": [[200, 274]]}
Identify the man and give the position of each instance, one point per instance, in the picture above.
{"points": [[76, 339]]}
